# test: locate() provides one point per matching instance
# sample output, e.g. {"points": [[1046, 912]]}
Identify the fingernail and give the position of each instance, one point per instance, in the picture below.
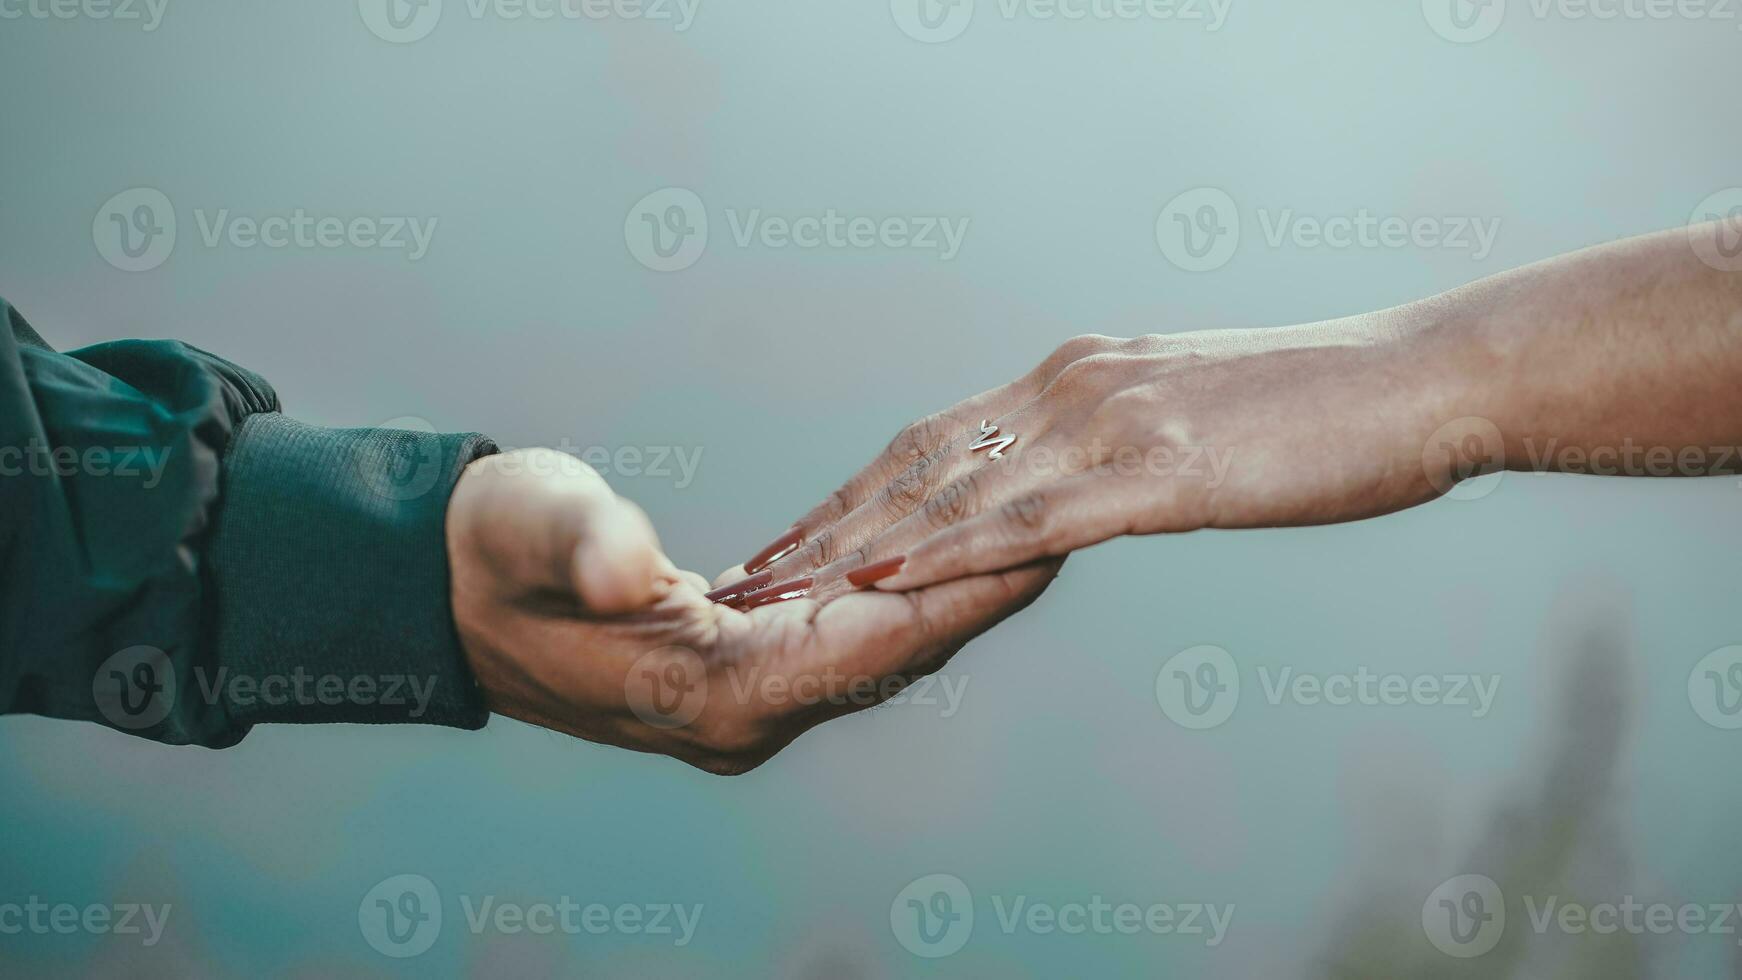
{"points": [[784, 545], [877, 571], [798, 588], [726, 593]]}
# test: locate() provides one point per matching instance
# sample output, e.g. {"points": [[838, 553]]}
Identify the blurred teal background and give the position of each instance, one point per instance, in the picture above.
{"points": [[1060, 141]]}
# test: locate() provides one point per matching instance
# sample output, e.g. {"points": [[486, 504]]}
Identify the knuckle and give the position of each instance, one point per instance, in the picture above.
{"points": [[1168, 429], [950, 504], [1079, 347], [909, 489], [914, 443], [1176, 431], [1025, 515], [823, 547], [1085, 374], [839, 504], [1127, 409]]}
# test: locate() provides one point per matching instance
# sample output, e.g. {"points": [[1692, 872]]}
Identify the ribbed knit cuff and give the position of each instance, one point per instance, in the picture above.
{"points": [[329, 562]]}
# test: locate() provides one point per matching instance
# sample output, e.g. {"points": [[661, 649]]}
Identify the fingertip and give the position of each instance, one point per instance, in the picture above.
{"points": [[913, 573]]}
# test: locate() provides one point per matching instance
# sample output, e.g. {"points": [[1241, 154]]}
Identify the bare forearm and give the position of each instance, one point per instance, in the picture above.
{"points": [[1625, 358]]}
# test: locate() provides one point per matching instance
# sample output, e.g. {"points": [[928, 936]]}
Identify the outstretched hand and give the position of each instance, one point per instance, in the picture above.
{"points": [[573, 619], [1232, 429], [1620, 359]]}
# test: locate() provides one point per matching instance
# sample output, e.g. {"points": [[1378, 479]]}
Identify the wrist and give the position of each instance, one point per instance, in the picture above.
{"points": [[1451, 360]]}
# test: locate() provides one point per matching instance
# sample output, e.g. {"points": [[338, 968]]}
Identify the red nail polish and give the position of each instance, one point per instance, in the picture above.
{"points": [[877, 571], [798, 588], [742, 587], [784, 545]]}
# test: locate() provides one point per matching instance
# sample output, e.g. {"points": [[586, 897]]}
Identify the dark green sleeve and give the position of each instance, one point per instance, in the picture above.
{"points": [[179, 560]]}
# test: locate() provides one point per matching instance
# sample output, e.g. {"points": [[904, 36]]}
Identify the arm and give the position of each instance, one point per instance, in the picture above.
{"points": [[180, 561], [1576, 357], [241, 567], [1625, 358]]}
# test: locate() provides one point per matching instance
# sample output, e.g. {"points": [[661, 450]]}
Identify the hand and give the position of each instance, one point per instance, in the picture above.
{"points": [[573, 619], [1228, 429]]}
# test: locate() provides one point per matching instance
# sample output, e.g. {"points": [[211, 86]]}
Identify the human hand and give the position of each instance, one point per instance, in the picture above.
{"points": [[1227, 429], [573, 619]]}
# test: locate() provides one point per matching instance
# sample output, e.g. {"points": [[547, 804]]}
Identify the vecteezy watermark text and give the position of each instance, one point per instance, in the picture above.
{"points": [[307, 689], [405, 21], [1201, 229], [1209, 464], [937, 21], [669, 688], [148, 14], [632, 462], [1470, 21], [668, 230], [137, 688], [402, 916], [933, 916], [38, 458], [41, 918], [1199, 688], [1465, 916], [136, 230]]}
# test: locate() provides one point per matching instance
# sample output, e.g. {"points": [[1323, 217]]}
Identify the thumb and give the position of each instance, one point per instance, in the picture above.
{"points": [[616, 564], [547, 520]]}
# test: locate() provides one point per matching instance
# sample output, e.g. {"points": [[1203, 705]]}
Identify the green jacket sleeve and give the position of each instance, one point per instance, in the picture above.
{"points": [[180, 561]]}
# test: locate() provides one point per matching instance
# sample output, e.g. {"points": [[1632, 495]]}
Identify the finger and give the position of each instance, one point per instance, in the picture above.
{"points": [[839, 540], [913, 444], [973, 493], [927, 495], [924, 438], [879, 635], [616, 565], [554, 524], [863, 649], [1052, 520], [733, 584]]}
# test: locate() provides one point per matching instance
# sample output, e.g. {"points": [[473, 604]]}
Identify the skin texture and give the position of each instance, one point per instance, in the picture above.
{"points": [[573, 619], [1620, 359]]}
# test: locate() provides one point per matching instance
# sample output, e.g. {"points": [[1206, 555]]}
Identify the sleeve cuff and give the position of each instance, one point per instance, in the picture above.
{"points": [[329, 569]]}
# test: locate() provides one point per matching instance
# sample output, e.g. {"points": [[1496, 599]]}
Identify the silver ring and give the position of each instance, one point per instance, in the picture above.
{"points": [[990, 439]]}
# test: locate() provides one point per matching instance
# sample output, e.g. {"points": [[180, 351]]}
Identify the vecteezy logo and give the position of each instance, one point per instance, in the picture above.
{"points": [[1465, 459], [408, 465], [1465, 916], [135, 688], [933, 916], [1198, 687], [667, 688], [1715, 230], [667, 230], [1715, 688], [400, 21], [1199, 230], [932, 21], [1464, 21], [135, 230], [401, 916]]}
